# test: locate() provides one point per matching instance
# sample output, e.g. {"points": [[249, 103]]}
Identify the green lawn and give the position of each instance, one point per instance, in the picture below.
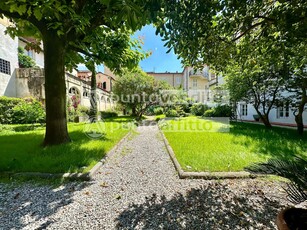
{"points": [[244, 144], [21, 150]]}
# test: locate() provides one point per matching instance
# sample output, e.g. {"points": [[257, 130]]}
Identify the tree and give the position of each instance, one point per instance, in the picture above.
{"points": [[68, 28], [256, 75], [207, 31], [296, 82], [138, 91]]}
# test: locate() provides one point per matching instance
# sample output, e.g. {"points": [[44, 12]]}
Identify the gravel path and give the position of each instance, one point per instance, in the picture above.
{"points": [[138, 188]]}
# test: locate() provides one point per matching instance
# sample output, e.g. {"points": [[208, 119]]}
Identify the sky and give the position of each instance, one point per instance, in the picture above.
{"points": [[159, 61]]}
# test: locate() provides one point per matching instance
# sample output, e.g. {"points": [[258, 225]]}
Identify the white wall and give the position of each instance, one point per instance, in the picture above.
{"points": [[8, 52], [272, 116], [37, 57]]}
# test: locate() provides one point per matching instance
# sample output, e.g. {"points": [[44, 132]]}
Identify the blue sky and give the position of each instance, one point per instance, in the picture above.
{"points": [[159, 61]]}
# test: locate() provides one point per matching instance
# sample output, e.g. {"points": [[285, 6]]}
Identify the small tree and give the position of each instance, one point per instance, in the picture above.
{"points": [[137, 91], [260, 88]]}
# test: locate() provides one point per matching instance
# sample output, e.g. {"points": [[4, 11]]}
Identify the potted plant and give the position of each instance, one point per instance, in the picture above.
{"points": [[256, 117], [295, 171]]}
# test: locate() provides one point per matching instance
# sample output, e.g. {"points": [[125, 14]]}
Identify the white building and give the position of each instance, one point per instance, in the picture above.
{"points": [[18, 82]]}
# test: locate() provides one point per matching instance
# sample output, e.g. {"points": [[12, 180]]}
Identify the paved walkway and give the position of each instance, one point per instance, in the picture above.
{"points": [[138, 188]]}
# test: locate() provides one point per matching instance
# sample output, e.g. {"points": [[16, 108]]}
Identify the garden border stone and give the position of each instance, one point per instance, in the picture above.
{"points": [[74, 176], [202, 175]]}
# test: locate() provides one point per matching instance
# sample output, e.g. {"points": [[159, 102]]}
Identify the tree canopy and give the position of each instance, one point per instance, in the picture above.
{"points": [[137, 91], [208, 31], [98, 29]]}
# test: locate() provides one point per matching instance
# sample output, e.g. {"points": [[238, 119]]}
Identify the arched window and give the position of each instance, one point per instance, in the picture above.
{"points": [[74, 91], [104, 85]]}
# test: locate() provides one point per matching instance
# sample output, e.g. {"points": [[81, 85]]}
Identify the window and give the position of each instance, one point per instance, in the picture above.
{"points": [[30, 53], [178, 80], [194, 83], [243, 109], [283, 111], [5, 67], [104, 85], [74, 91], [85, 93]]}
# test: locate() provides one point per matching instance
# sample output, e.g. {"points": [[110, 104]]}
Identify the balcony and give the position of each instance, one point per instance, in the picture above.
{"points": [[199, 73]]}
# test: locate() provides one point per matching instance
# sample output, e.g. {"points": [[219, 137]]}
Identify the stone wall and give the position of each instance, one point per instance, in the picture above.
{"points": [[30, 83]]}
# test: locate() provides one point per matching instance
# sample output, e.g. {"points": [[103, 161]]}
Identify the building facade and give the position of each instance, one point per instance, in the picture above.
{"points": [[29, 82]]}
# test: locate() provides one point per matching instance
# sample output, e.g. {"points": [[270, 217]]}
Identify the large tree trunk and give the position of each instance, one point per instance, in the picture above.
{"points": [[55, 89], [301, 107], [299, 116], [299, 123], [93, 99], [264, 118], [266, 121]]}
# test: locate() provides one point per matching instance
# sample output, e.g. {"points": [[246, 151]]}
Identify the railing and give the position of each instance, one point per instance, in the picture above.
{"points": [[199, 73]]}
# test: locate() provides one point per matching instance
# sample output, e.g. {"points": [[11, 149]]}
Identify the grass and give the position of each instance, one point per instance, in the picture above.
{"points": [[21, 149], [215, 149]]}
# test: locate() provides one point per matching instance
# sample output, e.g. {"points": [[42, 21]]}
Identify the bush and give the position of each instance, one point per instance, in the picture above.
{"points": [[6, 108], [223, 111], [209, 113], [83, 110], [219, 111], [108, 114], [27, 112], [21, 111], [171, 113], [158, 111], [198, 109]]}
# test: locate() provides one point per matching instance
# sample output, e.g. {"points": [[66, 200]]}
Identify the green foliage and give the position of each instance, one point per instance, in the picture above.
{"points": [[219, 111], [24, 60], [223, 111], [209, 113], [108, 114], [198, 109], [83, 110], [209, 29], [293, 170], [137, 91], [6, 108], [28, 111], [158, 111], [171, 113], [21, 111]]}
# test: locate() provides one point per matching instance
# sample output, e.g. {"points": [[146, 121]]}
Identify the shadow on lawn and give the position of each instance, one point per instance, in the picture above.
{"points": [[212, 207], [31, 205], [22, 152], [276, 142]]}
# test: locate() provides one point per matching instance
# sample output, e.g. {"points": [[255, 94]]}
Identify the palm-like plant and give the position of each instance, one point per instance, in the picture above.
{"points": [[295, 170]]}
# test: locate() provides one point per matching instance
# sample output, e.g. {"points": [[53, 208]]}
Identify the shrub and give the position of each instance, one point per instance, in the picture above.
{"points": [[219, 111], [108, 114], [209, 113], [158, 111], [198, 109], [223, 111], [171, 113], [21, 111], [27, 112], [6, 108], [83, 110]]}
